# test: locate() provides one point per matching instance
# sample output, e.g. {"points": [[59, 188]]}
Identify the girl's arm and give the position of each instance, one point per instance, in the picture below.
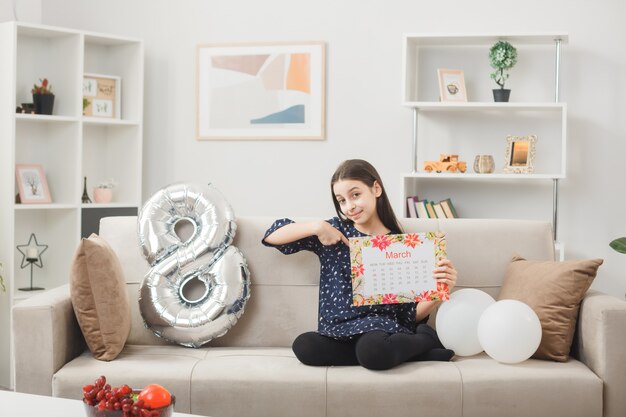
{"points": [[445, 272], [326, 233]]}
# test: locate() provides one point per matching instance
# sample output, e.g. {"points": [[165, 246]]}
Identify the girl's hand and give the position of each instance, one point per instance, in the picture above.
{"points": [[445, 272], [328, 235]]}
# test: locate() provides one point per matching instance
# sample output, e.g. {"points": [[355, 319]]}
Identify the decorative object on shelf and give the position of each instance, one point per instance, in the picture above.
{"points": [[43, 98], [520, 154], [31, 256], [502, 57], [452, 85], [484, 164], [101, 96], [32, 184], [103, 193], [261, 91], [446, 163], [25, 108], [85, 198]]}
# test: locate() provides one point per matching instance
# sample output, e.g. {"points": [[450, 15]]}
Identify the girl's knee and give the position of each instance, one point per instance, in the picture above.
{"points": [[375, 353], [305, 349]]}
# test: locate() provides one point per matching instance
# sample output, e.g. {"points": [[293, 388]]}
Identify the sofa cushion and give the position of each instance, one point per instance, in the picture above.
{"points": [[554, 291], [137, 366], [99, 297], [530, 388], [424, 389], [263, 382]]}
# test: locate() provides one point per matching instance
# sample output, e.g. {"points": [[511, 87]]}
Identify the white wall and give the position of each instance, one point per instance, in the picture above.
{"points": [[364, 116], [22, 10]]}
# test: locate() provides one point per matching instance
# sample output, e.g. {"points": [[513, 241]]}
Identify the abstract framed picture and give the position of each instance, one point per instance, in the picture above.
{"points": [[101, 96], [452, 85], [261, 91], [32, 184]]}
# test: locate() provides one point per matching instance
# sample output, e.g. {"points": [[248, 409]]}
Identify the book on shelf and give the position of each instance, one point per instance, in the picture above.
{"points": [[420, 207], [430, 209], [449, 209], [439, 211], [410, 204]]}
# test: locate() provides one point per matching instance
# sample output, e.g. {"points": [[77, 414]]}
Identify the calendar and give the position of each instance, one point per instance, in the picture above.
{"points": [[391, 269]]}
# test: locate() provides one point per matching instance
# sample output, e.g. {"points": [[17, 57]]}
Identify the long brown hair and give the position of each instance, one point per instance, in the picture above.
{"points": [[360, 170]]}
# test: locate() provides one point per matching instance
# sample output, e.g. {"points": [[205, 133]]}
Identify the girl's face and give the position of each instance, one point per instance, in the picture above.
{"points": [[357, 201]]}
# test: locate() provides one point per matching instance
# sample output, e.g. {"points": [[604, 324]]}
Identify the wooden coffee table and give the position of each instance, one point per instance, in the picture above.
{"points": [[17, 404]]}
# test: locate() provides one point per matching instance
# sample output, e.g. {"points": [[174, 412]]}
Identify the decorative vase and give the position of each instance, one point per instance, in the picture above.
{"points": [[501, 94], [43, 103], [483, 164], [103, 195]]}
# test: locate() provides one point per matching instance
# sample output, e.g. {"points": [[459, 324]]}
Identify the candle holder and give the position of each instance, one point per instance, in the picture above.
{"points": [[31, 257]]}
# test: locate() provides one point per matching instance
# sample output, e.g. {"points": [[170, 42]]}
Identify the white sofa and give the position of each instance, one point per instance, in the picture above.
{"points": [[251, 371]]}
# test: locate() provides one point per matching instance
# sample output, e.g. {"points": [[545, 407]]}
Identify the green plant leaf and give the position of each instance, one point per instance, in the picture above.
{"points": [[619, 244]]}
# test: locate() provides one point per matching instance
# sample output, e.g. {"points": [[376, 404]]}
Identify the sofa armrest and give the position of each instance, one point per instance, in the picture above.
{"points": [[601, 342], [46, 336]]}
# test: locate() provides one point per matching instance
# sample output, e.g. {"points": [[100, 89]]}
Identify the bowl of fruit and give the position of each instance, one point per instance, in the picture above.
{"points": [[102, 400]]}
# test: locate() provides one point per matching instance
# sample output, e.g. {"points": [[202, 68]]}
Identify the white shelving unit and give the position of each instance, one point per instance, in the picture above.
{"points": [[67, 145], [480, 126]]}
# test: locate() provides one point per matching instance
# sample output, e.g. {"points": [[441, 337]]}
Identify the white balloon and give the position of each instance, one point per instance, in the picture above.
{"points": [[509, 331], [457, 320]]}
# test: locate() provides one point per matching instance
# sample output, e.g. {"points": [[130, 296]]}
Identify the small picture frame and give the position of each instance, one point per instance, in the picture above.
{"points": [[32, 184], [101, 96], [520, 154], [451, 85]]}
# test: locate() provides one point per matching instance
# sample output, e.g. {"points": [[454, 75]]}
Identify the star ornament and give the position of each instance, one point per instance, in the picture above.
{"points": [[27, 250]]}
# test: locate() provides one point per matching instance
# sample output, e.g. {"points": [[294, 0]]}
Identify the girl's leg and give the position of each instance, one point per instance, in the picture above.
{"points": [[379, 350], [313, 349]]}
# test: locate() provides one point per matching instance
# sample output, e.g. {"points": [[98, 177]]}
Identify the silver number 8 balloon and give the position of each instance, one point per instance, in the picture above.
{"points": [[206, 258]]}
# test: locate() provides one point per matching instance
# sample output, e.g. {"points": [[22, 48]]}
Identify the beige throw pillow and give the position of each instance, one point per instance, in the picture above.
{"points": [[554, 291], [98, 292]]}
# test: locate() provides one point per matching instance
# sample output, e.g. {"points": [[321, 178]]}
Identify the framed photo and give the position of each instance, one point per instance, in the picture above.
{"points": [[452, 85], [520, 153], [32, 184], [101, 96], [261, 91]]}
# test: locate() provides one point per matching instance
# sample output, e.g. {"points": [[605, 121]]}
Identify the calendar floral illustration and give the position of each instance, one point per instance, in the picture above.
{"points": [[391, 269]]}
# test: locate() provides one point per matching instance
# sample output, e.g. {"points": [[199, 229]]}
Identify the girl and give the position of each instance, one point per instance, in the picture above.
{"points": [[378, 336]]}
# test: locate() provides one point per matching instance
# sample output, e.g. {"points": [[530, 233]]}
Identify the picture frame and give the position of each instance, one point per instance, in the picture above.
{"points": [[451, 85], [520, 154], [102, 96], [32, 184], [261, 91]]}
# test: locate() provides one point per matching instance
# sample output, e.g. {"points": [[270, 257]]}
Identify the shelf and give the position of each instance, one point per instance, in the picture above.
{"points": [[67, 145], [108, 205], [94, 121], [38, 118], [473, 39], [52, 206], [482, 106], [481, 126], [484, 177]]}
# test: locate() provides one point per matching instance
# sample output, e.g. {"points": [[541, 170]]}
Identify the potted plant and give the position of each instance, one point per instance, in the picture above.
{"points": [[502, 57], [43, 98], [103, 193]]}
